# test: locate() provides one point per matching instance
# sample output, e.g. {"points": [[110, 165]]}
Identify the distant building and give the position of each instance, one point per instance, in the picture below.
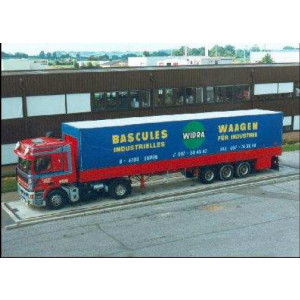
{"points": [[277, 56], [115, 64], [95, 63], [23, 64], [176, 61]]}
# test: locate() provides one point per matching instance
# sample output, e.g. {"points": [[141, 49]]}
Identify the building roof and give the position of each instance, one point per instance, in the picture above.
{"points": [[126, 69]]}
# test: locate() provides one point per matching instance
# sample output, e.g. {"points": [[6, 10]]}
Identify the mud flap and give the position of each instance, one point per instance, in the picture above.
{"points": [[275, 163]]}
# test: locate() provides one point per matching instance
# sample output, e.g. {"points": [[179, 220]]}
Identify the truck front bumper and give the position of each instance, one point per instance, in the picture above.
{"points": [[31, 198]]}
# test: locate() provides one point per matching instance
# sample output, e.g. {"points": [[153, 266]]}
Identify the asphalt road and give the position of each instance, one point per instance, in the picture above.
{"points": [[256, 221]]}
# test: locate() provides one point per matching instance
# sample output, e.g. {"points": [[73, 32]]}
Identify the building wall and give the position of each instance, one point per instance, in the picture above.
{"points": [[23, 64], [34, 103], [15, 64]]}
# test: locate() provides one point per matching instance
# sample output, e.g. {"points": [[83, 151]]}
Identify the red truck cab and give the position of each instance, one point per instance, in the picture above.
{"points": [[44, 164]]}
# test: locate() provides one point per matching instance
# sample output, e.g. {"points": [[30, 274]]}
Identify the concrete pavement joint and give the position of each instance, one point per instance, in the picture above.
{"points": [[113, 237]]}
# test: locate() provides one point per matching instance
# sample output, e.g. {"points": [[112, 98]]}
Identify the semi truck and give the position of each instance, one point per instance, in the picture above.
{"points": [[105, 155]]}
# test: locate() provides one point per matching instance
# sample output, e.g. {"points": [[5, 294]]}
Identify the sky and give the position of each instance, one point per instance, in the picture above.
{"points": [[33, 49]]}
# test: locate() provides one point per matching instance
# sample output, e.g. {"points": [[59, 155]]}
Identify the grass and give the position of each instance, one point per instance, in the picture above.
{"points": [[8, 184], [290, 147]]}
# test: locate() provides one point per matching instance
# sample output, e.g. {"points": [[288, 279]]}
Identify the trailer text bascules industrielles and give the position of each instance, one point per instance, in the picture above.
{"points": [[104, 155]]}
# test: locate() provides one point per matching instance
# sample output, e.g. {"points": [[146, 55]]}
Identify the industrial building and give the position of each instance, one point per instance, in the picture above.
{"points": [[36, 102], [24, 64], [176, 61]]}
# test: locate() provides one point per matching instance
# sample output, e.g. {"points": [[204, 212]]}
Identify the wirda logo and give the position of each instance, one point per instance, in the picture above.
{"points": [[193, 135]]}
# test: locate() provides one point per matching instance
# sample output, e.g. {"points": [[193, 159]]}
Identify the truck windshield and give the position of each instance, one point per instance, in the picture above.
{"points": [[24, 165]]}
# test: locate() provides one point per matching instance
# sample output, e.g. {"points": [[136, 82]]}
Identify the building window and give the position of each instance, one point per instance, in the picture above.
{"points": [[169, 97], [199, 95], [224, 94], [45, 105], [99, 102], [12, 108], [78, 103], [159, 97], [241, 93], [190, 97], [210, 94], [271, 91], [110, 101], [285, 90], [179, 96], [140, 99]]}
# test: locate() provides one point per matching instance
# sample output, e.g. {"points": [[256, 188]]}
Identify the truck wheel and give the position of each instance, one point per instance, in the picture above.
{"points": [[207, 175], [56, 199], [226, 172], [243, 169], [119, 188]]}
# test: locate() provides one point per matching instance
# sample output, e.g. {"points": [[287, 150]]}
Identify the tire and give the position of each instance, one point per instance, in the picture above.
{"points": [[226, 172], [242, 169], [119, 188], [187, 174], [207, 175], [56, 199]]}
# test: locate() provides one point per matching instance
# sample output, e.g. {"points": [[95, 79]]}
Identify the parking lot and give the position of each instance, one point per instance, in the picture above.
{"points": [[256, 216]]}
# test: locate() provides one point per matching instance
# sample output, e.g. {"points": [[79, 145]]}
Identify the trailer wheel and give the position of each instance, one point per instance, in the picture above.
{"points": [[119, 188], [226, 172], [207, 175], [56, 199], [242, 169]]}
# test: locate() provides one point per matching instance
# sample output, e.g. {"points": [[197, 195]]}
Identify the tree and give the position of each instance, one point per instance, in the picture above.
{"points": [[104, 57], [216, 51], [54, 55], [76, 65], [255, 49], [229, 50], [159, 53], [49, 55], [21, 55], [78, 56], [125, 56], [42, 54], [288, 48], [180, 51], [146, 53], [267, 59], [197, 51], [90, 65]]}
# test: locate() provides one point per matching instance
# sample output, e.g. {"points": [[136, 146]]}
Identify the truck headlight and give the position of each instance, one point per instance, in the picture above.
{"points": [[18, 144]]}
